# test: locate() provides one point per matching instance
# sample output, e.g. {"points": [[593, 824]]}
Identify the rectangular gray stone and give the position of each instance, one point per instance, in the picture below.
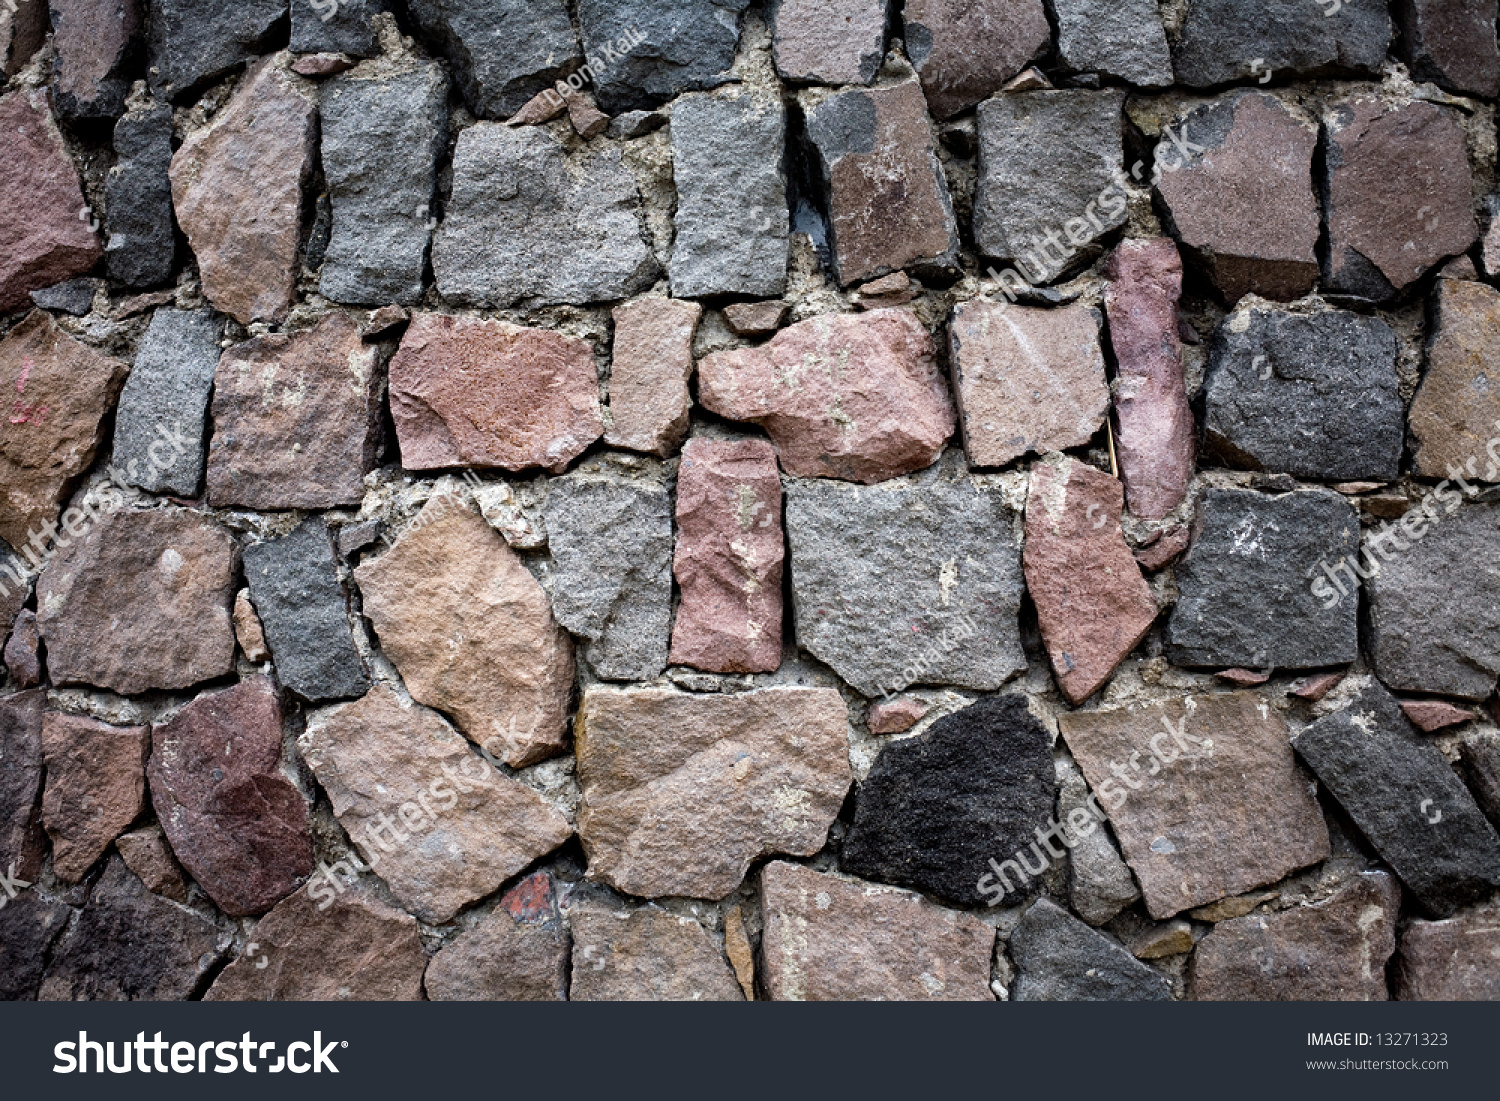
{"points": [[335, 27], [138, 199], [503, 52]]}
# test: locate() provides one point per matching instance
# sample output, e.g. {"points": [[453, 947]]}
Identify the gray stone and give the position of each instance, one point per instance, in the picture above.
{"points": [[1060, 959], [29, 926], [382, 136], [138, 199], [1045, 159], [295, 585], [335, 27], [503, 52], [95, 52], [23, 843], [163, 407], [681, 46], [193, 42], [1292, 38], [528, 221], [1311, 395], [1406, 800], [912, 581], [1432, 603], [1248, 586], [611, 543], [732, 219], [1479, 760], [74, 296], [1124, 40], [828, 41], [1100, 884]]}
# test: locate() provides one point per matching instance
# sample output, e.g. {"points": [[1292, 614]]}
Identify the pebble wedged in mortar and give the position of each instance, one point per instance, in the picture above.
{"points": [[1060, 959]]}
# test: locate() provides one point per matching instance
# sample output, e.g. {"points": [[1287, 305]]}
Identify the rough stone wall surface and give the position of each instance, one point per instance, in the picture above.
{"points": [[769, 499]]}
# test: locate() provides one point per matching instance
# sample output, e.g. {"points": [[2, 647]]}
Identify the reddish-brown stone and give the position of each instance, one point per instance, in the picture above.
{"points": [[531, 900], [296, 419], [830, 41], [1451, 42], [57, 395], [316, 65], [895, 289], [729, 557], [1242, 678], [94, 43], [1432, 715], [755, 318], [583, 112], [1457, 408], [1457, 960], [652, 360], [22, 838], [1315, 688], [45, 235], [852, 396], [21, 657], [966, 51], [1158, 554], [147, 854], [23, 29], [237, 191], [1027, 380], [647, 955], [140, 602], [1157, 441], [545, 106], [895, 716], [96, 787], [1091, 600], [234, 820], [469, 392]]}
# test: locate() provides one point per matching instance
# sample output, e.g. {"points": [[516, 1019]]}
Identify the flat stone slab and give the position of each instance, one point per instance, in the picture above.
{"points": [[964, 55], [651, 361], [1457, 960], [96, 787], [1451, 44], [1060, 959], [1125, 40], [1294, 38], [646, 52], [647, 955]]}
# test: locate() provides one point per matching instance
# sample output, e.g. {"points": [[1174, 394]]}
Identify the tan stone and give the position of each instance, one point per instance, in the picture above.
{"points": [[755, 318], [147, 854], [1159, 941], [682, 793], [1457, 408], [648, 381], [741, 955], [96, 787], [647, 955], [247, 628], [895, 716], [1227, 908], [545, 106], [517, 953]]}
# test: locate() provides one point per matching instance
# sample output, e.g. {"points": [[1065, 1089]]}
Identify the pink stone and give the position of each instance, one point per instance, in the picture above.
{"points": [[648, 380], [1244, 678], [1157, 441], [96, 787], [1091, 600], [895, 716], [583, 112], [1432, 715], [755, 318], [316, 65], [729, 557], [545, 106], [852, 396], [1315, 688], [43, 239], [1164, 550], [469, 392]]}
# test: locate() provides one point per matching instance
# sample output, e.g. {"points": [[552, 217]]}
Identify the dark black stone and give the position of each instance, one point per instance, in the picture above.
{"points": [[1411, 806], [28, 927], [294, 585], [93, 67], [138, 200], [682, 46], [23, 844], [335, 27], [1315, 396], [1249, 585], [1220, 38], [1479, 763], [193, 42], [76, 296], [937, 808], [1060, 959]]}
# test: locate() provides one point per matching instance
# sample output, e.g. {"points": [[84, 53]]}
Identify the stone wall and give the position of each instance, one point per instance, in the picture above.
{"points": [[727, 499]]}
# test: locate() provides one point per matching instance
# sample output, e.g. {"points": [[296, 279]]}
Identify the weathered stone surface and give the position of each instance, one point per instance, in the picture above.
{"points": [[1045, 159], [936, 807], [1315, 688], [359, 950], [887, 198], [828, 41], [1479, 765], [247, 628], [1430, 715], [644, 52], [147, 854], [1457, 408], [583, 113], [28, 927], [140, 602], [75, 296], [129, 945], [42, 239], [1450, 961], [545, 106], [530, 222], [741, 955], [1311, 395], [234, 820], [1245, 598], [471, 632], [651, 362], [296, 419], [873, 599], [1244, 207], [729, 557], [682, 793], [320, 65], [1060, 959], [965, 53], [1198, 775], [895, 716], [1334, 950], [473, 392], [95, 44], [514, 954], [21, 658], [1451, 44], [23, 29], [732, 220], [1242, 678], [1027, 380], [1398, 194], [831, 938], [1157, 440], [755, 318], [15, 583], [160, 424], [22, 839], [1294, 38], [647, 955], [294, 583], [1092, 602], [1099, 881], [382, 135], [611, 544], [1125, 41], [237, 190], [380, 759], [1432, 628], [503, 52], [869, 403], [193, 42], [96, 786], [347, 27], [1405, 799]]}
